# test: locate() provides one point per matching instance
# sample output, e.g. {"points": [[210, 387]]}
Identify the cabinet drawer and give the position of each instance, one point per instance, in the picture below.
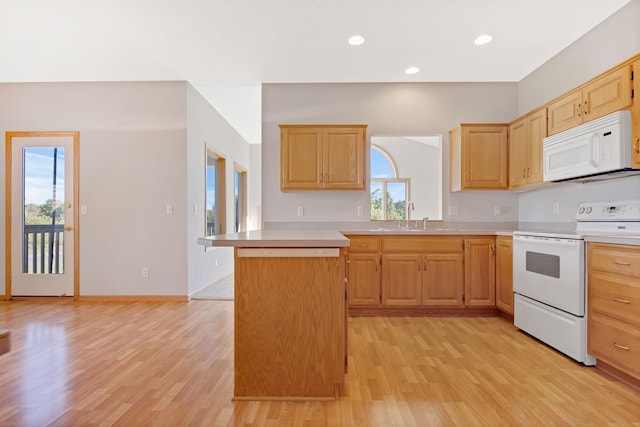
{"points": [[422, 244], [618, 259], [364, 244], [616, 296], [615, 343]]}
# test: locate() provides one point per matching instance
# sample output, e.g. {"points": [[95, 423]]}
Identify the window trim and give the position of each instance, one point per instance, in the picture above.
{"points": [[242, 172]]}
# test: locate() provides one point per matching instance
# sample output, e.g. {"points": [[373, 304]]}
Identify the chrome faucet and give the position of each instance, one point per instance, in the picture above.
{"points": [[410, 208], [424, 222]]}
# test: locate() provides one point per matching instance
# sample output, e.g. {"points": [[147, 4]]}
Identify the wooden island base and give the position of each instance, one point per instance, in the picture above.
{"points": [[290, 323]]}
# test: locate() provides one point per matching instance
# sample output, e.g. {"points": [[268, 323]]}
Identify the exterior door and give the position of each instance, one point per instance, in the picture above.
{"points": [[42, 198]]}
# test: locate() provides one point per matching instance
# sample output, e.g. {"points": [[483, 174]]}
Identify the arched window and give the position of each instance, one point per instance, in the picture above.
{"points": [[389, 193]]}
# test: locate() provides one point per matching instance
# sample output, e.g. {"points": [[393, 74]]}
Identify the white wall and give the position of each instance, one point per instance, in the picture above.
{"points": [[141, 149], [610, 43], [207, 127], [389, 108], [132, 164]]}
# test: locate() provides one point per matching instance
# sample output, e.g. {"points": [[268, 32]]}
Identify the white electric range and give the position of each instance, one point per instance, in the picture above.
{"points": [[549, 277]]}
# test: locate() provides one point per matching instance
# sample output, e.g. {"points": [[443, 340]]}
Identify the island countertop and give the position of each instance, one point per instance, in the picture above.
{"points": [[279, 238]]}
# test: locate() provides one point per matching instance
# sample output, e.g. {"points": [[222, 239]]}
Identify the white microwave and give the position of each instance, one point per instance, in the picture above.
{"points": [[599, 149]]}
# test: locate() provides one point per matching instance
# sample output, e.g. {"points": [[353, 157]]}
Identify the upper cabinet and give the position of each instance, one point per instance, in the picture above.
{"points": [[322, 157], [603, 95], [478, 157], [635, 114], [525, 149]]}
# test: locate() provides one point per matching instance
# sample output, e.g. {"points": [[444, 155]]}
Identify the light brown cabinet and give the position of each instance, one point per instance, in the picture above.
{"points": [[635, 114], [603, 95], [401, 279], [478, 157], [290, 326], [525, 149], [443, 280], [322, 157], [479, 272], [613, 322], [422, 271], [420, 274], [504, 274], [364, 271]]}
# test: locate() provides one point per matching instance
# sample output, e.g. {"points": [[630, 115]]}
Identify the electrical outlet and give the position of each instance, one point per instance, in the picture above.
{"points": [[556, 208], [215, 261], [360, 211], [145, 272], [453, 210], [83, 209], [300, 211], [496, 211]]}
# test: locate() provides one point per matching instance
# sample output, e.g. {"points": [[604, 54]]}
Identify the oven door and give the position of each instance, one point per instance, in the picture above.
{"points": [[551, 271]]}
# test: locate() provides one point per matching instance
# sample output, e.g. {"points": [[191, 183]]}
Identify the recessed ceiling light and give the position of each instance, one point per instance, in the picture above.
{"points": [[356, 40], [483, 39], [412, 70]]}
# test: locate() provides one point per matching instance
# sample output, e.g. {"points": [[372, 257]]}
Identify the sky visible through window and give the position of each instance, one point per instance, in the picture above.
{"points": [[38, 175], [381, 168]]}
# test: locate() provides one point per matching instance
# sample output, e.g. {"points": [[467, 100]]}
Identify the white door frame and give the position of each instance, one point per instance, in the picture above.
{"points": [[76, 196]]}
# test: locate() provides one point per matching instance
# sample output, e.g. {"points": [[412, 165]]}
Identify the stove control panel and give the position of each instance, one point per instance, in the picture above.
{"points": [[624, 210]]}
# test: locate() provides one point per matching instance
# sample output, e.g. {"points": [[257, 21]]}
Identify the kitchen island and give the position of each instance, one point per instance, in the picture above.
{"points": [[289, 313]]}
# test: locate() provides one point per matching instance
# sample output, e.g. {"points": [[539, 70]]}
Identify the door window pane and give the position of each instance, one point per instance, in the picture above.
{"points": [[43, 210]]}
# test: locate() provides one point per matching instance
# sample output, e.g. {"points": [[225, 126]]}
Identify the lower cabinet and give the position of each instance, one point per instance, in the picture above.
{"points": [[418, 272], [401, 279], [613, 322], [443, 280], [504, 274], [422, 279], [480, 272], [364, 279]]}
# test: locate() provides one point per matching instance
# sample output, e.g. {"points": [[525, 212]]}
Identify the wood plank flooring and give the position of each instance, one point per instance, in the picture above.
{"points": [[171, 364]]}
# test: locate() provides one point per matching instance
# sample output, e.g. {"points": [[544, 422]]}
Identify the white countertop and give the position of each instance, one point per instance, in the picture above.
{"points": [[279, 238]]}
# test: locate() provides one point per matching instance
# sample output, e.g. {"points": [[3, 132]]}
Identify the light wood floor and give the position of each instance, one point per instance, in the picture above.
{"points": [[171, 364]]}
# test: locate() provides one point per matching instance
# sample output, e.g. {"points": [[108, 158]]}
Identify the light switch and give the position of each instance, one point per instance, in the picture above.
{"points": [[83, 209], [169, 209]]}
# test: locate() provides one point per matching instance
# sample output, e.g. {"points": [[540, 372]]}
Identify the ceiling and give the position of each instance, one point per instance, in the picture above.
{"points": [[243, 43]]}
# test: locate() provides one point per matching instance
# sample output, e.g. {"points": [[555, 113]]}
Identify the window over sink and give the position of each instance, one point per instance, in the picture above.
{"points": [[406, 168]]}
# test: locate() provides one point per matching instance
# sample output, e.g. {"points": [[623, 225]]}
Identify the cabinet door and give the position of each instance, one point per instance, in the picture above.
{"points": [[300, 158], [479, 272], [484, 157], [518, 153], [504, 274], [537, 131], [635, 117], [364, 279], [344, 158], [565, 112], [442, 279], [401, 279], [606, 94]]}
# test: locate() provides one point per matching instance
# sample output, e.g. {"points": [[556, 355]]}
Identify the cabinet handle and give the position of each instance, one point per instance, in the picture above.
{"points": [[425, 265], [636, 144], [622, 347], [528, 172], [621, 263], [623, 301]]}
